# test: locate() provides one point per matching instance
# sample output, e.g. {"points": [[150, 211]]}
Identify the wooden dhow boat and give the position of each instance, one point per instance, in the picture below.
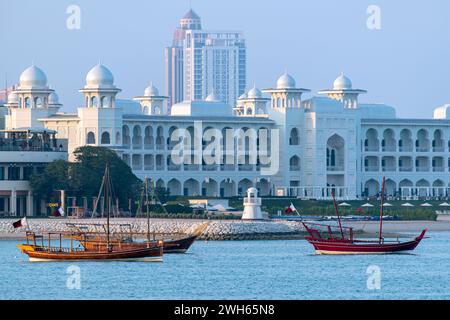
{"points": [[39, 251], [326, 242], [172, 243], [150, 251]]}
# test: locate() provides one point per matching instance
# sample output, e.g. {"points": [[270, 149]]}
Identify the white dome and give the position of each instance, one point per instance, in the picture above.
{"points": [[53, 98], [212, 97], [243, 96], [254, 93], [33, 77], [99, 76], [286, 81], [342, 83], [151, 91], [13, 98]]}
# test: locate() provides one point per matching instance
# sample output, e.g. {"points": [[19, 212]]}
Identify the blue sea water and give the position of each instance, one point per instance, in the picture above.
{"points": [[236, 270]]}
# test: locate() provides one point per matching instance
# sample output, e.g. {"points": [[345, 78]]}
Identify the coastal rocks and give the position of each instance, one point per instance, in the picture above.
{"points": [[209, 230]]}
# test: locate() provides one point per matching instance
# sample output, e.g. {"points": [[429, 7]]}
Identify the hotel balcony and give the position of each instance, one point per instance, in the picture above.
{"points": [[406, 169], [389, 169], [335, 168], [173, 167], [26, 145], [406, 149], [422, 169], [227, 167], [211, 167], [245, 167], [438, 169], [438, 149], [191, 167], [389, 149], [372, 169]]}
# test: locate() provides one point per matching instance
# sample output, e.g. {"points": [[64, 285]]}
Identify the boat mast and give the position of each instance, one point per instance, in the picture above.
{"points": [[148, 214], [107, 181], [337, 213], [381, 211]]}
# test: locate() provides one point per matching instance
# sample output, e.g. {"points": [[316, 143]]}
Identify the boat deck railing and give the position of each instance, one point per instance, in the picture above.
{"points": [[58, 249]]}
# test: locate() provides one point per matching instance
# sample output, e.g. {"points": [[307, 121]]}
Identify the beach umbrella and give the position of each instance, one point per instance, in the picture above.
{"points": [[407, 205], [345, 204], [445, 204], [367, 205], [387, 205], [426, 205], [223, 208]]}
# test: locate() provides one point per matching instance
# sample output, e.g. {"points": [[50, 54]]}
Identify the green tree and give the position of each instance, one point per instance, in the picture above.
{"points": [[54, 177], [89, 167]]}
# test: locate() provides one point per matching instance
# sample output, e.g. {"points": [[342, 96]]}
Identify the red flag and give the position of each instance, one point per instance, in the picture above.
{"points": [[56, 213], [20, 223], [290, 209]]}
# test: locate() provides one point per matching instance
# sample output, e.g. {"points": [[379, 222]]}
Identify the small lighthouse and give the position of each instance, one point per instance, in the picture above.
{"points": [[252, 206]]}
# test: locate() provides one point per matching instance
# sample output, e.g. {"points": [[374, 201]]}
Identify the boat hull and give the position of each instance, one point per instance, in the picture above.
{"points": [[335, 247], [147, 254], [170, 246]]}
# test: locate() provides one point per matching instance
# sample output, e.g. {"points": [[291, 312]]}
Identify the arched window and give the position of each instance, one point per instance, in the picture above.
{"points": [[90, 139], [104, 102], [105, 138], [294, 139], [94, 102]]}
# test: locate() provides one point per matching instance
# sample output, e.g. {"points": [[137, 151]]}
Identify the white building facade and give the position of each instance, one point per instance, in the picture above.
{"points": [[26, 146], [277, 140]]}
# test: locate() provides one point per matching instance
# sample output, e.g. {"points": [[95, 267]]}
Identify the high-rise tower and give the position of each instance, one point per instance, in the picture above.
{"points": [[199, 62]]}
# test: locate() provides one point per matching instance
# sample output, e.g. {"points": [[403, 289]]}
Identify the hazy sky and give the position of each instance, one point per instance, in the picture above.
{"points": [[405, 64]]}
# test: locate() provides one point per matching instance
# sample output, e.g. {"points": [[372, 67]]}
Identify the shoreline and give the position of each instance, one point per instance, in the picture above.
{"points": [[230, 230]]}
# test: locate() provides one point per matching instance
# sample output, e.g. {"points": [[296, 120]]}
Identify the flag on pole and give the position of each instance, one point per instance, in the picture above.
{"points": [[290, 209], [61, 211], [20, 223]]}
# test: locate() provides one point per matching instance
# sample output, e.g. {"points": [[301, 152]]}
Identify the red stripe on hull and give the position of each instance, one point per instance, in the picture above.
{"points": [[354, 247]]}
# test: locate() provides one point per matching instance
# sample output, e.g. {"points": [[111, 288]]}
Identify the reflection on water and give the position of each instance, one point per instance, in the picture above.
{"points": [[235, 270]]}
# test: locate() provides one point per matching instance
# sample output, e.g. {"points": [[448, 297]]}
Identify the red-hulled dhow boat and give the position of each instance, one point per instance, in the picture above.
{"points": [[326, 242]]}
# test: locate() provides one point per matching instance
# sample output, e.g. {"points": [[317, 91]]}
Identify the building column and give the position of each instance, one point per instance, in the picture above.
{"points": [[30, 204], [13, 205]]}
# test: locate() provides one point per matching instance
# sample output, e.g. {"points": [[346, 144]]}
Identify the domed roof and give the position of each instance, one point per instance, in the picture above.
{"points": [[151, 91], [13, 98], [33, 77], [342, 83], [53, 98], [252, 190], [99, 76], [286, 81], [254, 93], [243, 96], [212, 97]]}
